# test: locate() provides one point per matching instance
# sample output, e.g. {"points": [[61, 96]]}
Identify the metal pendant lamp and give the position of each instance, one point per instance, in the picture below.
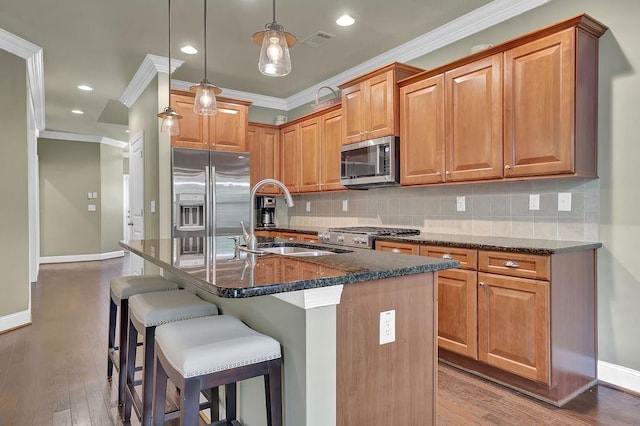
{"points": [[205, 102], [170, 118], [274, 55]]}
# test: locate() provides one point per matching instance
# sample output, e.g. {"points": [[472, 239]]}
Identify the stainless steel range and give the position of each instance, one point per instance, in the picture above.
{"points": [[361, 236]]}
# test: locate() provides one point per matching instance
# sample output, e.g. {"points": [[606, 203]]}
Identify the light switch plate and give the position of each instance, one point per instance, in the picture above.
{"points": [[534, 201], [89, 195], [92, 207], [387, 327], [308, 207], [95, 195], [461, 204], [564, 201], [153, 206], [345, 205]]}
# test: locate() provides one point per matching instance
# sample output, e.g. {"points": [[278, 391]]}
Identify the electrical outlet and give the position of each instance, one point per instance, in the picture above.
{"points": [[308, 206], [534, 201], [564, 201], [345, 205], [153, 206], [461, 204], [387, 327], [92, 207]]}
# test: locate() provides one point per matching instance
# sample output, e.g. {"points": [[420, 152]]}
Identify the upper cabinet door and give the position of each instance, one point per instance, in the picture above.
{"points": [[290, 158], [331, 137], [193, 127], [379, 119], [270, 156], [228, 127], [474, 120], [539, 106], [354, 113], [309, 134], [422, 132]]}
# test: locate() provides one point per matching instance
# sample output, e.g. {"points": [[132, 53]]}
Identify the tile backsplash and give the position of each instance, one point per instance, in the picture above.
{"points": [[498, 209]]}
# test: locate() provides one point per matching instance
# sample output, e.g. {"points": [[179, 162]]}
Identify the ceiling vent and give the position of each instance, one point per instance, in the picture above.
{"points": [[317, 38]]}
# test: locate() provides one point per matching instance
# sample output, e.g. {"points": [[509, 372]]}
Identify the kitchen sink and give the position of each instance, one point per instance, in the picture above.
{"points": [[293, 249]]}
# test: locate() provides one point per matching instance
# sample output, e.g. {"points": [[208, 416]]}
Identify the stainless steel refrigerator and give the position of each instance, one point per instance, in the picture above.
{"points": [[210, 192]]}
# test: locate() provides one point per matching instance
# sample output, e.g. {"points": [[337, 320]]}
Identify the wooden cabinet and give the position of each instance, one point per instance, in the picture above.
{"points": [[290, 162], [552, 129], [370, 103], [527, 321], [310, 159], [451, 125], [513, 325], [295, 236], [330, 143], [224, 131], [457, 300], [422, 132], [398, 247], [525, 108], [473, 120], [263, 144]]}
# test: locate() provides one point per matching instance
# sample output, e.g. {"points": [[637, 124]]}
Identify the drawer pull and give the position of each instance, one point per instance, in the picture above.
{"points": [[511, 264], [447, 256], [396, 250]]}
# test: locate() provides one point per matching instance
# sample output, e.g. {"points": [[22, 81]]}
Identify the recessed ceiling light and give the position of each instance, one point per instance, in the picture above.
{"points": [[126, 131], [85, 88], [345, 21], [189, 50], [77, 111]]}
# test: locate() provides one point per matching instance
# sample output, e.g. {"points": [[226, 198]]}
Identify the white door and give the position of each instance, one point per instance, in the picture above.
{"points": [[136, 198]]}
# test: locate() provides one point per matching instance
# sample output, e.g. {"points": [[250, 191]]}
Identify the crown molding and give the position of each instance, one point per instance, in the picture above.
{"points": [[255, 98], [35, 70], [477, 20], [150, 67], [78, 137]]}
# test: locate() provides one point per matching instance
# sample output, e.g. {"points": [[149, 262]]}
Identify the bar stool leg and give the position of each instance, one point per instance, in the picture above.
{"points": [[122, 352], [132, 345], [273, 392], [147, 371], [113, 309], [159, 393], [230, 400], [190, 402]]}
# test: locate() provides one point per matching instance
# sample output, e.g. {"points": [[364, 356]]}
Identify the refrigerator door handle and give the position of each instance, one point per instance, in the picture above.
{"points": [[210, 202]]}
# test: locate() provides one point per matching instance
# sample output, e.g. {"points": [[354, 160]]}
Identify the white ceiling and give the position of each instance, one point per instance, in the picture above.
{"points": [[102, 44]]}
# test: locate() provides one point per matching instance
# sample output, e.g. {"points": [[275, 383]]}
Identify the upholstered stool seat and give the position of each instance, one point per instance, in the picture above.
{"points": [[121, 288], [146, 311], [203, 353]]}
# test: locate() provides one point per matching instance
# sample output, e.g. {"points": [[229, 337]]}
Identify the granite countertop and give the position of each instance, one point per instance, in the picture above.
{"points": [[513, 245], [212, 265], [312, 230]]}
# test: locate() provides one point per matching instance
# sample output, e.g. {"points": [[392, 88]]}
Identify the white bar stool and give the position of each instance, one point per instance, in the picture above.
{"points": [[146, 312], [208, 352], [121, 288]]}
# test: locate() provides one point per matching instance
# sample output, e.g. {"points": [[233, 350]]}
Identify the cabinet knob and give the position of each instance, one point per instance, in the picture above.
{"points": [[511, 264], [481, 283], [291, 239], [396, 250], [447, 172], [438, 173], [447, 256], [507, 167]]}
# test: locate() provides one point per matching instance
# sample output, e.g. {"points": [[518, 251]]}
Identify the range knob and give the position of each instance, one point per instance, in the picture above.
{"points": [[340, 238], [359, 240], [323, 236]]}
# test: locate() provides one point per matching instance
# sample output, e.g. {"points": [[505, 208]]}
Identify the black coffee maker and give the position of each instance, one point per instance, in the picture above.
{"points": [[265, 211]]}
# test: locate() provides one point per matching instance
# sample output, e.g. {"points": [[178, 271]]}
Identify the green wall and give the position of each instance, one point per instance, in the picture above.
{"points": [[14, 211]]}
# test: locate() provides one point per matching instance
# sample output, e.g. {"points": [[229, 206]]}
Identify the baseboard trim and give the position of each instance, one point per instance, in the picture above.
{"points": [[81, 257], [619, 376], [12, 321]]}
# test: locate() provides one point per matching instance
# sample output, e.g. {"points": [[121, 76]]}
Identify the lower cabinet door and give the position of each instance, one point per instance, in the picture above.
{"points": [[457, 312], [513, 325]]}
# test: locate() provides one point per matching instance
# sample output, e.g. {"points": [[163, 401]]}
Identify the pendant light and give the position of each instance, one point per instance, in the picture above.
{"points": [[170, 118], [205, 102], [274, 55]]}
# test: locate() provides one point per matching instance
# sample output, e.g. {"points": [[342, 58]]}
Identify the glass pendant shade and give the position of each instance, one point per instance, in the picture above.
{"points": [[170, 121], [274, 55], [205, 101]]}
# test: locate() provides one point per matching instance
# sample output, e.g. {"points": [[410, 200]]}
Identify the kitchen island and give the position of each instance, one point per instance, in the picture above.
{"points": [[326, 312]]}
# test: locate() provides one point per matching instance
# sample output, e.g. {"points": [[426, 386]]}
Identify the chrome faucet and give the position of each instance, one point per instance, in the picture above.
{"points": [[249, 234]]}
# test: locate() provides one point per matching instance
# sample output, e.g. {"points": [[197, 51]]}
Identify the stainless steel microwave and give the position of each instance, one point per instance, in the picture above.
{"points": [[371, 163]]}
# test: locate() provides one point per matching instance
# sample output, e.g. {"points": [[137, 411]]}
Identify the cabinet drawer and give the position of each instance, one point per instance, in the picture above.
{"points": [[515, 264], [396, 247], [468, 258], [291, 236]]}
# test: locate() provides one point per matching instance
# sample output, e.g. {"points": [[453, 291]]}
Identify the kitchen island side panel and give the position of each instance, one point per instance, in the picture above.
{"points": [[394, 383]]}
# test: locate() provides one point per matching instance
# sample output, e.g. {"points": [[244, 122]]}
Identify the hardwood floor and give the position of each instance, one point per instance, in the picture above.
{"points": [[54, 371]]}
